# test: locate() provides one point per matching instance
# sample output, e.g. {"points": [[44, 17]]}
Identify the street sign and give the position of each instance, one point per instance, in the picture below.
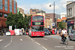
{"points": [[53, 24], [10, 27]]}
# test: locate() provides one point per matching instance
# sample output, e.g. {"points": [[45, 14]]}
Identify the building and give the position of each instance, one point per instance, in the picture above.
{"points": [[21, 11], [33, 11], [6, 7], [50, 20], [63, 15], [70, 15], [41, 12]]}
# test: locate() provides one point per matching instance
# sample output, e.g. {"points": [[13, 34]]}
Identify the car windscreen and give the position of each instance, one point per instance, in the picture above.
{"points": [[73, 31], [46, 31]]}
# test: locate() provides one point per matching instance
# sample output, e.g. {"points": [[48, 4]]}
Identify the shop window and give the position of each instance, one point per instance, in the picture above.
{"points": [[0, 14], [5, 15]]}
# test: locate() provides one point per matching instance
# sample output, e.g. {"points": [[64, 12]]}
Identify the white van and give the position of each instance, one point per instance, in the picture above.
{"points": [[18, 32]]}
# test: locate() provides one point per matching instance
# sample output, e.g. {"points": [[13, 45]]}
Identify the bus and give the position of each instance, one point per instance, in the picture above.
{"points": [[36, 25]]}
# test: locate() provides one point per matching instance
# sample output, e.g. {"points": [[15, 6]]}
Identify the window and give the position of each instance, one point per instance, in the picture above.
{"points": [[0, 4], [37, 28], [0, 14], [70, 12], [6, 5], [33, 10], [37, 18], [5, 15], [10, 5], [14, 6]]}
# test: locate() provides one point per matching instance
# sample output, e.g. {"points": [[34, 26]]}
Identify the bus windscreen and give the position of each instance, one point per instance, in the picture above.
{"points": [[37, 28]]}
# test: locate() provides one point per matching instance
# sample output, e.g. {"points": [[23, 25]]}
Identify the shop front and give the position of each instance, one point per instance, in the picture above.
{"points": [[70, 26]]}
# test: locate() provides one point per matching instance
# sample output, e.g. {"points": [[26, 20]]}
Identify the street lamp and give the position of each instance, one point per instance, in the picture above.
{"points": [[53, 10]]}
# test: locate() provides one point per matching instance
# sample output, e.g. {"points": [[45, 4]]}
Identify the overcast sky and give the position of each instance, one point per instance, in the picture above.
{"points": [[60, 5]]}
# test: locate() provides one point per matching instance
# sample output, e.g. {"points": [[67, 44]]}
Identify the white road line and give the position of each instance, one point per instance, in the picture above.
{"points": [[32, 39], [21, 39], [37, 43], [9, 42], [1, 39], [44, 47], [7, 45], [45, 39]]}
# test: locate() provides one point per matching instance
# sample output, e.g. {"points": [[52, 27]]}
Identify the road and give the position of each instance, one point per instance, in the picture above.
{"points": [[36, 43]]}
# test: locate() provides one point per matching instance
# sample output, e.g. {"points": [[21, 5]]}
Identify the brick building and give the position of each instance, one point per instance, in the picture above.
{"points": [[33, 11], [50, 19], [6, 7]]}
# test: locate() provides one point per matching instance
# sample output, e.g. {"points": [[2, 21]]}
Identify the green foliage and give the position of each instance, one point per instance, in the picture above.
{"points": [[18, 20], [26, 21], [62, 25]]}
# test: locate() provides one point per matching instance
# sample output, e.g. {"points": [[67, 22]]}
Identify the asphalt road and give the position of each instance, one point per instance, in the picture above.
{"points": [[36, 43]]}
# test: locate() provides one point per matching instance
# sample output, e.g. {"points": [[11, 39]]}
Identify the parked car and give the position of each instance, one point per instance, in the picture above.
{"points": [[8, 33], [72, 35], [47, 32]]}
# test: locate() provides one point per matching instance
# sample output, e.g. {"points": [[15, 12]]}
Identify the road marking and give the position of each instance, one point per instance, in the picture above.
{"points": [[45, 39], [11, 39], [1, 39], [7, 45], [9, 42], [37, 43], [21, 39], [44, 47], [32, 39]]}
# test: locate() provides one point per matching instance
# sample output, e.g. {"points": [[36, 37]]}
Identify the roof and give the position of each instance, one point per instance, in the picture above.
{"points": [[64, 18], [59, 20]]}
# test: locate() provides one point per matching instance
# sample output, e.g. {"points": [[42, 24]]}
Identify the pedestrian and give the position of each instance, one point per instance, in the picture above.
{"points": [[55, 31], [59, 31]]}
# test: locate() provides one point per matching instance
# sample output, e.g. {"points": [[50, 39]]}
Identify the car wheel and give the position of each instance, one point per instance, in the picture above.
{"points": [[70, 38], [49, 33]]}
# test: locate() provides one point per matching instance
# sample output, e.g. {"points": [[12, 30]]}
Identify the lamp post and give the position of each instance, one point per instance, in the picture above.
{"points": [[53, 12]]}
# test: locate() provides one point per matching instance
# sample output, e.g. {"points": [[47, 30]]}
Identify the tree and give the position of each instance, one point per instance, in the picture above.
{"points": [[16, 19], [62, 25], [26, 21]]}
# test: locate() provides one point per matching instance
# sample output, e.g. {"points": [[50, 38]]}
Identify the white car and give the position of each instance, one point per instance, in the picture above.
{"points": [[8, 33], [72, 35]]}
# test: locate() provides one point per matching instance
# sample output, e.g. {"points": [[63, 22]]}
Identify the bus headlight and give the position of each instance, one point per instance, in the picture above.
{"points": [[33, 33], [42, 33]]}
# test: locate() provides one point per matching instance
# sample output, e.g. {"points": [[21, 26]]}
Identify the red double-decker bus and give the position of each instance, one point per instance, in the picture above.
{"points": [[36, 25]]}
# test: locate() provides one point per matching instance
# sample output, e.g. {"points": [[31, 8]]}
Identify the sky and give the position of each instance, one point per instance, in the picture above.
{"points": [[60, 5]]}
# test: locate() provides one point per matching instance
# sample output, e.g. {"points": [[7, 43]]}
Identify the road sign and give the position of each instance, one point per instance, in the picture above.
{"points": [[53, 24], [10, 27]]}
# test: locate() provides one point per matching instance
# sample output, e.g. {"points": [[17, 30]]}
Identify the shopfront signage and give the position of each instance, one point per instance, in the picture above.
{"points": [[70, 22]]}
